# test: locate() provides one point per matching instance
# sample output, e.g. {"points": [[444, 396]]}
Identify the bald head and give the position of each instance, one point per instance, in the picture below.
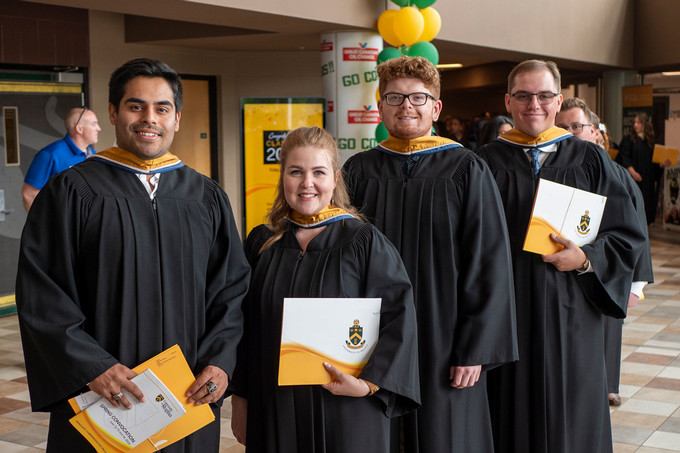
{"points": [[82, 126]]}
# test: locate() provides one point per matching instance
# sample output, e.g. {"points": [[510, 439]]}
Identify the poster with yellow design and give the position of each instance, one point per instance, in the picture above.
{"points": [[266, 122]]}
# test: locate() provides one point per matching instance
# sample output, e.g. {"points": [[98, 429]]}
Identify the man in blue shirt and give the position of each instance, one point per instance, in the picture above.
{"points": [[82, 132]]}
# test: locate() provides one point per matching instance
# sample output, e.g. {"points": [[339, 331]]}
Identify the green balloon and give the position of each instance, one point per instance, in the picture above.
{"points": [[401, 2], [422, 4], [388, 53], [424, 49], [381, 132]]}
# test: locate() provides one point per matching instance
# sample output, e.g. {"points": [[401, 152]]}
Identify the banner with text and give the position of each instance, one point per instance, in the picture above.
{"points": [[635, 100], [349, 83]]}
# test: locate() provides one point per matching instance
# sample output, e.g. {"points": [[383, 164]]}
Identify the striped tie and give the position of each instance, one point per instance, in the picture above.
{"points": [[535, 167]]}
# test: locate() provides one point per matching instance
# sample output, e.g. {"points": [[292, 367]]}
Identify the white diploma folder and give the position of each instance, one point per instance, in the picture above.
{"points": [[339, 331], [566, 211]]}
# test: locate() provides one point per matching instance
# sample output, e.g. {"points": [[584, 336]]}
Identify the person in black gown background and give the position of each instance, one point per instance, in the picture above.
{"points": [[635, 155], [316, 245], [438, 204]]}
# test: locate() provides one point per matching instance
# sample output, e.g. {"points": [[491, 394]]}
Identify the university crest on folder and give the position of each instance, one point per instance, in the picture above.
{"points": [[585, 223], [355, 334]]}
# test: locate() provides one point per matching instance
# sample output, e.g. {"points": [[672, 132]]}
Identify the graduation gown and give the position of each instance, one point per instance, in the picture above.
{"points": [[642, 272], [348, 258], [638, 154], [440, 208], [108, 276], [554, 399]]}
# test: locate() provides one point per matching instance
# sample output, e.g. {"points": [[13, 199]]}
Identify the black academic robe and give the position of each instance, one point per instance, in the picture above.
{"points": [[347, 259], [554, 399], [638, 154], [446, 221], [106, 276], [642, 272]]}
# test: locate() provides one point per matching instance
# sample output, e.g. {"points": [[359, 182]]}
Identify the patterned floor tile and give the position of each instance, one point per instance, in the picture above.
{"points": [[660, 439], [649, 407]]}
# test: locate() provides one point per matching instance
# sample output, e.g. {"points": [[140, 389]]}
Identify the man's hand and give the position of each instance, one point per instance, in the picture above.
{"points": [[570, 258], [239, 418], [345, 384], [112, 382], [632, 300], [464, 376], [198, 392]]}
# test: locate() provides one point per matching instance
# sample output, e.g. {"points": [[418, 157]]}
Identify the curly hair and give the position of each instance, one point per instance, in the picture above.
{"points": [[407, 67], [313, 137]]}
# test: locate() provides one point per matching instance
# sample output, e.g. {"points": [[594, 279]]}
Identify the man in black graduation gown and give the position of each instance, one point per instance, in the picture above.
{"points": [[437, 203], [125, 255], [554, 399], [576, 117]]}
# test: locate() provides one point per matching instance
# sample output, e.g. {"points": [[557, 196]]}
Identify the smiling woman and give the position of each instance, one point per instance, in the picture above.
{"points": [[316, 245]]}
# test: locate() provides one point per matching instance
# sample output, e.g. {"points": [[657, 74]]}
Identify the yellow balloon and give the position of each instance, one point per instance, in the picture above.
{"points": [[433, 23], [409, 24], [386, 27]]}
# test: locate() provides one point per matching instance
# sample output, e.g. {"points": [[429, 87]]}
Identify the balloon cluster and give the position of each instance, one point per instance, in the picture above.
{"points": [[410, 30]]}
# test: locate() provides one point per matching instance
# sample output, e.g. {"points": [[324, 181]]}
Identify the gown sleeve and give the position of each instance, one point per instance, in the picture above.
{"points": [[393, 366], [239, 383], [486, 331], [619, 241], [625, 153], [227, 281], [60, 356]]}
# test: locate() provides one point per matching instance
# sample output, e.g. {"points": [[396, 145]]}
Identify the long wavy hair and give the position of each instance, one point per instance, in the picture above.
{"points": [[647, 129], [313, 137]]}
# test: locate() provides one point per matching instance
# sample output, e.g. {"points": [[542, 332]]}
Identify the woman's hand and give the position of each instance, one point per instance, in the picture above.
{"points": [[239, 418], [345, 384], [636, 176]]}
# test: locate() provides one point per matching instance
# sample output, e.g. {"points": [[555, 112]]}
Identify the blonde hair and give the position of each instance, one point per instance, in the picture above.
{"points": [[318, 138], [409, 67]]}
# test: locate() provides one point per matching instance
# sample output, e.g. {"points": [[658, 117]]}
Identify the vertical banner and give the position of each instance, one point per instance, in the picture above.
{"points": [[266, 122], [634, 100], [349, 83], [671, 203]]}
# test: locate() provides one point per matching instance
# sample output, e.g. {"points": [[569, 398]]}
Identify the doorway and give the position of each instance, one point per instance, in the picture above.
{"points": [[196, 141]]}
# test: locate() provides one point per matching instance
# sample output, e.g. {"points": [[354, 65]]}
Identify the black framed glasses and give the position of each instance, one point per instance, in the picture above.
{"points": [[416, 99], [574, 128], [543, 97], [85, 109]]}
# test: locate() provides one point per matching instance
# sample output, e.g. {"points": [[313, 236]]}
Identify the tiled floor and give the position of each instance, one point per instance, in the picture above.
{"points": [[648, 421]]}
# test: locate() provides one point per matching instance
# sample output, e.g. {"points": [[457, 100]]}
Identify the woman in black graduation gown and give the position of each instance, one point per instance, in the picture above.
{"points": [[315, 245], [635, 155]]}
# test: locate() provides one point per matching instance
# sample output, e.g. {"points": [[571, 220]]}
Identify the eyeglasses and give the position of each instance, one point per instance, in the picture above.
{"points": [[85, 109], [543, 97], [415, 99], [574, 128]]}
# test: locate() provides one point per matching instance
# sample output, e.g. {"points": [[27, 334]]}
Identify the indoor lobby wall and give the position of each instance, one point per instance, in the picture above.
{"points": [[238, 74]]}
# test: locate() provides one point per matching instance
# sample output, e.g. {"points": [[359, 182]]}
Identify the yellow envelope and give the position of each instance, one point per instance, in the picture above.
{"points": [[173, 370]]}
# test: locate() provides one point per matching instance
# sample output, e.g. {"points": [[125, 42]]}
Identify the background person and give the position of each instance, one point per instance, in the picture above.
{"points": [[493, 128], [553, 400], [576, 117], [635, 155], [437, 203], [315, 245], [82, 132], [124, 256]]}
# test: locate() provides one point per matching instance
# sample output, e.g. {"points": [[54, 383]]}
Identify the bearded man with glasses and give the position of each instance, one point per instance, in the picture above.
{"points": [[554, 399], [437, 203], [82, 132]]}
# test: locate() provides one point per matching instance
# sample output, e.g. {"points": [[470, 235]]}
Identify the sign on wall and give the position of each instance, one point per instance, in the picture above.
{"points": [[671, 203], [266, 122], [635, 100]]}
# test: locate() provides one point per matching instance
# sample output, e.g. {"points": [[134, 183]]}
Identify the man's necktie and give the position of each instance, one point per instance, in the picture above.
{"points": [[535, 167]]}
